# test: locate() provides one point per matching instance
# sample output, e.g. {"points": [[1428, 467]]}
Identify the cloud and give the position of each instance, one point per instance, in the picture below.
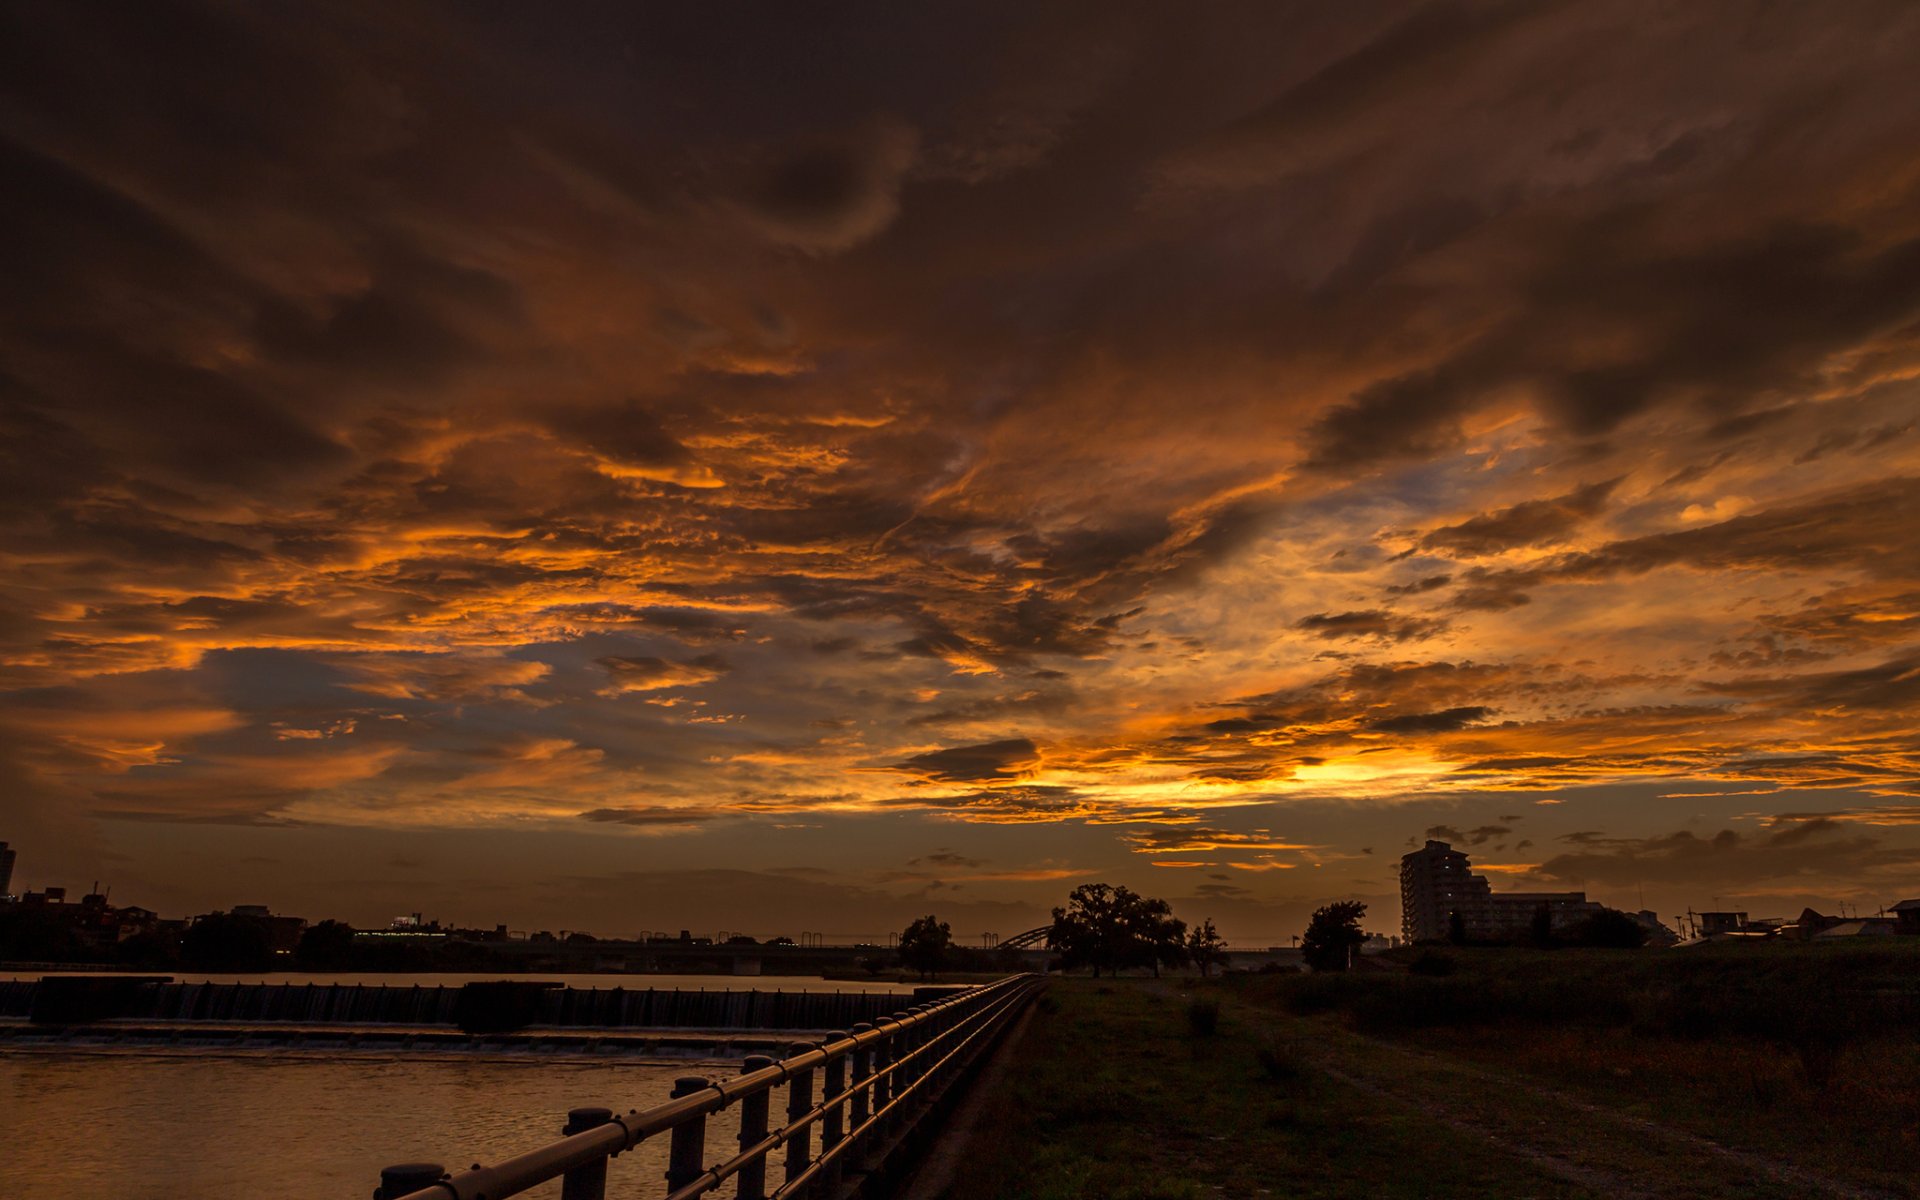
{"points": [[1528, 523], [655, 816], [1200, 839], [1796, 855], [1444, 721], [986, 762], [1370, 623], [946, 858], [1048, 430], [646, 673], [834, 194]]}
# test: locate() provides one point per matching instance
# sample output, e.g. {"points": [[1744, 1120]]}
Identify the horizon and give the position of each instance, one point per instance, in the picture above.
{"points": [[818, 468]]}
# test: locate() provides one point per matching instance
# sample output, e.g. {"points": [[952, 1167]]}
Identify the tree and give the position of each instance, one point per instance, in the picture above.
{"points": [[924, 944], [1160, 937], [1205, 947], [1540, 928], [150, 951], [327, 946], [1612, 929], [1110, 928], [1333, 935], [225, 942], [1456, 929]]}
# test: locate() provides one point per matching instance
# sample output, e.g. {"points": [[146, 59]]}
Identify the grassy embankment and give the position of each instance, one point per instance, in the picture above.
{"points": [[1810, 1054], [1750, 1071], [1115, 1095]]}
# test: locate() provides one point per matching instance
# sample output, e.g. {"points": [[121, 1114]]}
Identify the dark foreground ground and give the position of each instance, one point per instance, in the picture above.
{"points": [[1753, 1072]]}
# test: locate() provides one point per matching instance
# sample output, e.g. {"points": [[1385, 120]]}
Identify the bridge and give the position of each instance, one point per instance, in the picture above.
{"points": [[884, 1087], [1032, 939]]}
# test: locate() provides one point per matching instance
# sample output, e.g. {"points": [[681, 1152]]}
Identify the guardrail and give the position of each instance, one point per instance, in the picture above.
{"points": [[880, 1079]]}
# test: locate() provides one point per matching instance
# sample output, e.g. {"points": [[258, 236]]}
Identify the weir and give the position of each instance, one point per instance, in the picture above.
{"points": [[75, 1000], [883, 1088]]}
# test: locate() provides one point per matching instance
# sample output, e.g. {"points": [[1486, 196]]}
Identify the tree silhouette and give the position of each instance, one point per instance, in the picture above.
{"points": [[327, 946], [1540, 928], [1110, 928], [923, 945], [1162, 936], [1205, 947], [225, 942], [1610, 928], [1333, 935]]}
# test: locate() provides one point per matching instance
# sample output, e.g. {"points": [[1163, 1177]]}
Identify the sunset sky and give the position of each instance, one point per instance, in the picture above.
{"points": [[785, 467]]}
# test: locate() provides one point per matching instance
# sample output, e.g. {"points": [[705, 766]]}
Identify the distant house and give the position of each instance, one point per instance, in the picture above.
{"points": [[1657, 932], [1906, 916], [1721, 922]]}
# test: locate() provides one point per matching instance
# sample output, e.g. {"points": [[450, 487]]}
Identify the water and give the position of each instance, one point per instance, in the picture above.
{"points": [[157, 1124], [154, 1126]]}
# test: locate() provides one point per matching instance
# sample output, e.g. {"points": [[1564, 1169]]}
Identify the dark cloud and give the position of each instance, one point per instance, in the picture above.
{"points": [[834, 194], [1787, 857], [1528, 523], [946, 858], [1370, 623], [989, 761], [1426, 583], [1444, 721], [1864, 526], [652, 815]]}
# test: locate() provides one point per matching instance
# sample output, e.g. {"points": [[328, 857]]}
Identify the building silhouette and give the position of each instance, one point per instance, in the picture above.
{"points": [[6, 869], [1437, 882]]}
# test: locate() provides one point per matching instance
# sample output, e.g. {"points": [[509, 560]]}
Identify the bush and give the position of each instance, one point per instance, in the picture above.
{"points": [[1279, 1062], [1203, 1017], [1433, 963], [225, 942], [1612, 929]]}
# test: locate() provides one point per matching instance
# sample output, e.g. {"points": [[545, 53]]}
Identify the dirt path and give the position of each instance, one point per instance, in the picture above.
{"points": [[1588, 1145]]}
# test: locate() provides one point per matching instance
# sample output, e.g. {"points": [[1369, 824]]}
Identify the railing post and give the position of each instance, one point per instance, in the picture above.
{"points": [[406, 1178], [799, 1104], [833, 1126], [687, 1155], [587, 1182], [753, 1127], [899, 1043], [916, 1038], [882, 1080], [862, 1091]]}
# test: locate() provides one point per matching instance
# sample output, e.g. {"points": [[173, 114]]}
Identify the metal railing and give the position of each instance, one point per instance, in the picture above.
{"points": [[878, 1080]]}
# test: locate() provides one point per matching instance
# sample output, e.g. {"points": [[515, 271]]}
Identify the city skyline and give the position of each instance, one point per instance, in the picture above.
{"points": [[814, 467]]}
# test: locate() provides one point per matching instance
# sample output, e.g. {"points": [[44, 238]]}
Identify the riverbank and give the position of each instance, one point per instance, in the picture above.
{"points": [[1182, 1088]]}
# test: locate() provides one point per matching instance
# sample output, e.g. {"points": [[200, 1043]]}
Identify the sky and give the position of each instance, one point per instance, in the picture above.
{"points": [[785, 468]]}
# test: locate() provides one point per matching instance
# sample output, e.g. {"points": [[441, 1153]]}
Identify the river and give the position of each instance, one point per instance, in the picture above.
{"points": [[157, 1124]]}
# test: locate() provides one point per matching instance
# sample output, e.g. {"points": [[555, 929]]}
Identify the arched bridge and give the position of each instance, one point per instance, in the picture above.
{"points": [[1032, 939]]}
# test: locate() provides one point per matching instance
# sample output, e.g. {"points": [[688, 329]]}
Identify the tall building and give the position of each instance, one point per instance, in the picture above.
{"points": [[6, 870], [1437, 881]]}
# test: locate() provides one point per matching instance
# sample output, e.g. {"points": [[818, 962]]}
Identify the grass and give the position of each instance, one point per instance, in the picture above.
{"points": [[1118, 1092], [1806, 1053]]}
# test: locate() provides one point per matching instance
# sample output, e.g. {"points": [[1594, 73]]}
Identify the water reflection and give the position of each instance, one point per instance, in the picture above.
{"points": [[141, 1126]]}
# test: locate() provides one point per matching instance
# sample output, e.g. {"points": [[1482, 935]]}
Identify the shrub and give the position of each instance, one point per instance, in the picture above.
{"points": [[1279, 1061], [1203, 1017], [1433, 963]]}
